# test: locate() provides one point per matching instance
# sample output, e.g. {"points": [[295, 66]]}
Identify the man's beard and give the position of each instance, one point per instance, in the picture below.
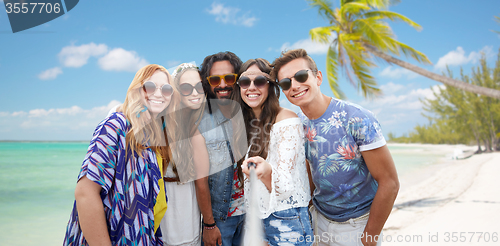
{"points": [[223, 100]]}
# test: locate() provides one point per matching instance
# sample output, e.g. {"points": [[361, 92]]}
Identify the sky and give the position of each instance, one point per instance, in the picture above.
{"points": [[58, 80]]}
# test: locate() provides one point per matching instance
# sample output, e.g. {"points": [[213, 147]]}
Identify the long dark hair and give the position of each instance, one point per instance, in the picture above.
{"points": [[259, 129]]}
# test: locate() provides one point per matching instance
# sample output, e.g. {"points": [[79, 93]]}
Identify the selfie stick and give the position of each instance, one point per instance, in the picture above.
{"points": [[254, 223]]}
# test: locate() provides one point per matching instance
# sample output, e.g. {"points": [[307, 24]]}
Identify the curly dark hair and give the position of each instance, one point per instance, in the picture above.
{"points": [[207, 65]]}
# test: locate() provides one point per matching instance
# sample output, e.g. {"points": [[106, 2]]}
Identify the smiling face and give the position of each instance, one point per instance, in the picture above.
{"points": [[194, 100], [253, 96], [223, 90], [156, 102], [301, 94]]}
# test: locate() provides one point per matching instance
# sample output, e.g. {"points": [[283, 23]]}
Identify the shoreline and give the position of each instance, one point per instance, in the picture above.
{"points": [[434, 198]]}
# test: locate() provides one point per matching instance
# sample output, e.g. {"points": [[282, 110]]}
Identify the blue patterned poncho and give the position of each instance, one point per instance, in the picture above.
{"points": [[129, 187]]}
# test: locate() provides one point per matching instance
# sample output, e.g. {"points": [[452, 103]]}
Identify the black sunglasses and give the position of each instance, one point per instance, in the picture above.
{"points": [[300, 76], [186, 89], [260, 81], [150, 88]]}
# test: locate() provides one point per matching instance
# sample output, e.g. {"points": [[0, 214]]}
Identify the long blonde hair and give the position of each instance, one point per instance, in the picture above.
{"points": [[186, 123], [146, 131]]}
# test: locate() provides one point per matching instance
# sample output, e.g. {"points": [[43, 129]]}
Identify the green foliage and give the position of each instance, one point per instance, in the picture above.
{"points": [[497, 19], [355, 25], [457, 116]]}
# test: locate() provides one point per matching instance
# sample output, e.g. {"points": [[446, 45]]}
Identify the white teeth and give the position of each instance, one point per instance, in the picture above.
{"points": [[300, 94], [156, 102], [253, 96], [194, 100], [223, 92]]}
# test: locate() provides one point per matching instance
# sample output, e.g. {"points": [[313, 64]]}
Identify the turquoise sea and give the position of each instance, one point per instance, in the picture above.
{"points": [[37, 181]]}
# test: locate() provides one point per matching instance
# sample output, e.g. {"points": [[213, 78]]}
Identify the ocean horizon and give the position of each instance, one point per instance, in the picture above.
{"points": [[38, 179]]}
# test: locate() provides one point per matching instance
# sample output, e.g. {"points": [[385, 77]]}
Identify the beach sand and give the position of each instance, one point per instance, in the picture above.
{"points": [[455, 202]]}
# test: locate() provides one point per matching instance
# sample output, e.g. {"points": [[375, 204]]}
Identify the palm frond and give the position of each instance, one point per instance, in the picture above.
{"points": [[379, 4], [357, 66], [383, 14], [353, 8], [331, 71], [413, 53], [377, 33], [344, 64], [497, 19], [352, 50], [366, 83], [324, 9], [323, 34]]}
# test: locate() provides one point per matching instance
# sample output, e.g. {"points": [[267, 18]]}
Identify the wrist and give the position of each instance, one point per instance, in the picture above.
{"points": [[206, 226]]}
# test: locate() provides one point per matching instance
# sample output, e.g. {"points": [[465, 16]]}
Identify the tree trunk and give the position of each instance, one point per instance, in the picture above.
{"points": [[434, 76], [476, 136], [486, 145]]}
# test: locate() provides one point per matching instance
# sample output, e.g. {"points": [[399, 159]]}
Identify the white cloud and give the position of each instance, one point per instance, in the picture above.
{"points": [[312, 47], [231, 15], [72, 123], [19, 113], [391, 88], [119, 59], [77, 56], [457, 57], [400, 109], [397, 73], [50, 74], [60, 111]]}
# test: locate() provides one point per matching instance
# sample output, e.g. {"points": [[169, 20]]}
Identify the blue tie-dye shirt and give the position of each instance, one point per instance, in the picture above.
{"points": [[344, 187]]}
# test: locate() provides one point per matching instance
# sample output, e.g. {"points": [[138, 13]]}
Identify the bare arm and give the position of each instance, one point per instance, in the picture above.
{"points": [[91, 212], [381, 166], [210, 237]]}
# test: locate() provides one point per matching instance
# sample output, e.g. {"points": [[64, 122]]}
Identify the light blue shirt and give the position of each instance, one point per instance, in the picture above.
{"points": [[344, 187]]}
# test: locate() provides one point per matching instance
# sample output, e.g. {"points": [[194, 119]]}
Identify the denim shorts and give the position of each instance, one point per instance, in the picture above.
{"points": [[291, 227]]}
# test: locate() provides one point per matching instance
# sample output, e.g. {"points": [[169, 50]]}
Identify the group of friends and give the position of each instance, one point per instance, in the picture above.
{"points": [[171, 165]]}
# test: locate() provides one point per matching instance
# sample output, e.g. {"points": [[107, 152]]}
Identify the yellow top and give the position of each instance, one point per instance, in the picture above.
{"points": [[161, 201]]}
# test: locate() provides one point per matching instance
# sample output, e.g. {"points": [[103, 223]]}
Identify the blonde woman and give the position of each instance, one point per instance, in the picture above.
{"points": [[118, 197]]}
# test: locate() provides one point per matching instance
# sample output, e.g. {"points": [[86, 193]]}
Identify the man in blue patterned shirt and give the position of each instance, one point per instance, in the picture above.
{"points": [[351, 167]]}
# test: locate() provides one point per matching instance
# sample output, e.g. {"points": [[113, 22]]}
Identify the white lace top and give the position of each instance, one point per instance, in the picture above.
{"points": [[290, 184]]}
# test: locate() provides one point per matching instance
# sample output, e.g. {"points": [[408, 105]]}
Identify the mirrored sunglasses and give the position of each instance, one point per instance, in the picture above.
{"points": [[150, 88], [186, 89], [260, 81]]}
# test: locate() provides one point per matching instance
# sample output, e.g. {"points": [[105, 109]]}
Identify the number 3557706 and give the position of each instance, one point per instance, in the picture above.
{"points": [[25, 8]]}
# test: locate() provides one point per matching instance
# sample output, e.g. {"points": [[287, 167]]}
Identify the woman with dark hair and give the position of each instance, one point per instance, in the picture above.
{"points": [[119, 195], [276, 139]]}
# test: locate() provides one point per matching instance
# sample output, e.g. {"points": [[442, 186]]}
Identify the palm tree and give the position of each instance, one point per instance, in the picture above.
{"points": [[497, 19], [360, 32]]}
